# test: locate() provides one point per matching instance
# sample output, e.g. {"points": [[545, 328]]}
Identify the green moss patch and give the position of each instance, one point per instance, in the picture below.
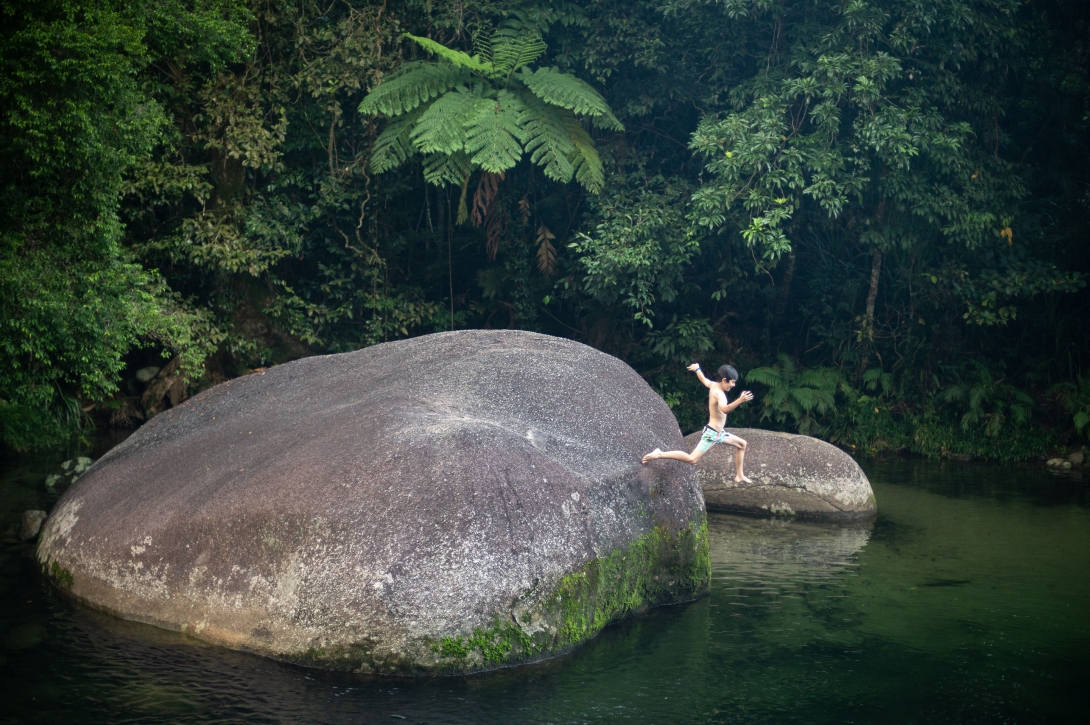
{"points": [[657, 568], [60, 576]]}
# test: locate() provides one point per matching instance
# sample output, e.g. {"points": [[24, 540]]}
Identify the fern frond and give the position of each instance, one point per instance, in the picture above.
{"points": [[443, 169], [519, 23], [765, 376], [482, 46], [494, 135], [547, 139], [393, 147], [567, 91], [546, 252], [441, 128], [412, 85], [587, 165], [953, 393], [451, 55], [511, 53]]}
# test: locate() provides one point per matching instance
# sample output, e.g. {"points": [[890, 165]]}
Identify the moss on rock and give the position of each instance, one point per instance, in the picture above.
{"points": [[60, 576], [658, 567]]}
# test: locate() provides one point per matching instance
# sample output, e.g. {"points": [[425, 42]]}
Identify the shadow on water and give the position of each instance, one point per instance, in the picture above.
{"points": [[965, 602]]}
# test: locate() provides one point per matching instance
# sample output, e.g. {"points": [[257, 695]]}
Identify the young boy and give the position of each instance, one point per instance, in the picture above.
{"points": [[715, 430]]}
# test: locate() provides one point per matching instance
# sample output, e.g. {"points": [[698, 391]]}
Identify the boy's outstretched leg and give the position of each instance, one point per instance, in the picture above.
{"points": [[674, 455]]}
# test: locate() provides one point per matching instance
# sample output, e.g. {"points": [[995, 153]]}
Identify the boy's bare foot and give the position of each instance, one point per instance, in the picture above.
{"points": [[742, 479], [652, 455]]}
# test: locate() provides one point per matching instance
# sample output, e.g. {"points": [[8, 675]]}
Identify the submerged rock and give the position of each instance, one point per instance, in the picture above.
{"points": [[793, 475], [448, 503]]}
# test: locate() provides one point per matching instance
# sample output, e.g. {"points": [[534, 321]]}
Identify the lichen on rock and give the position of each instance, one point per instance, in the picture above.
{"points": [[450, 503]]}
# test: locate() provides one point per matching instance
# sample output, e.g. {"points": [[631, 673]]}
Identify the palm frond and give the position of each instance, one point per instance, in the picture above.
{"points": [[457, 57], [585, 160], [441, 128], [443, 169], [547, 139], [413, 84], [393, 147], [494, 136], [567, 91]]}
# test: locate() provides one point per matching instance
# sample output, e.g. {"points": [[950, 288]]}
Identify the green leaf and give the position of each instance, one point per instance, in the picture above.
{"points": [[441, 128], [413, 84], [494, 135], [588, 166], [443, 169], [547, 139], [509, 54], [393, 146], [457, 57], [567, 91]]}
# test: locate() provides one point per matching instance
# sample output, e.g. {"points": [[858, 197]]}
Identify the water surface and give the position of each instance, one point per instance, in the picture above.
{"points": [[967, 601]]}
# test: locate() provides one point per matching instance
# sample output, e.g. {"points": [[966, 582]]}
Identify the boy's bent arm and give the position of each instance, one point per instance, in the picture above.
{"points": [[700, 376]]}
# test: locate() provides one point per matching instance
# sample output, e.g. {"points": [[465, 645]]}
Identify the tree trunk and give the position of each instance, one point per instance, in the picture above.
{"points": [[785, 287], [866, 332], [872, 293]]}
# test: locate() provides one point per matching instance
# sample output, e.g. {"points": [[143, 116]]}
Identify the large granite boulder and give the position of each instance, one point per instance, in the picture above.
{"points": [[793, 475], [449, 503]]}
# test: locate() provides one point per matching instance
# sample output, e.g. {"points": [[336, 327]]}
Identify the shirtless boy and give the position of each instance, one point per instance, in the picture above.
{"points": [[715, 431]]}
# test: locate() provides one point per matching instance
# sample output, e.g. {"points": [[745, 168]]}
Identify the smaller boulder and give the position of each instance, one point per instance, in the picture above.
{"points": [[794, 476], [31, 524], [1055, 463]]}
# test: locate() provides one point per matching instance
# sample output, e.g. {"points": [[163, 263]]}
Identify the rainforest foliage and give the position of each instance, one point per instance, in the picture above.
{"points": [[875, 208]]}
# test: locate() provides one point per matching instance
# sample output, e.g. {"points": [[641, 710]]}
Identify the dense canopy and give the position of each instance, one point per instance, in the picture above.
{"points": [[876, 209]]}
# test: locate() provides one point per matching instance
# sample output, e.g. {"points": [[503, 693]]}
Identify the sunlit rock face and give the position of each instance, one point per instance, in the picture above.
{"points": [[793, 476], [448, 503]]}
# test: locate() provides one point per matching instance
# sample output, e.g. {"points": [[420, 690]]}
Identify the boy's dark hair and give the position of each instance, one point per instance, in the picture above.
{"points": [[727, 372]]}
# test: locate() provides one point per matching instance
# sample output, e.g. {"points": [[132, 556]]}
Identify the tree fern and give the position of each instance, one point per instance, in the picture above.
{"points": [[494, 132], [444, 169], [492, 108], [588, 166], [412, 85], [393, 146], [566, 91], [511, 54], [441, 128], [547, 140]]}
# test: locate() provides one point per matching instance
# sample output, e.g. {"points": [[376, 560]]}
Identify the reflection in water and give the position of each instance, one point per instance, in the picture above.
{"points": [[784, 549], [965, 602]]}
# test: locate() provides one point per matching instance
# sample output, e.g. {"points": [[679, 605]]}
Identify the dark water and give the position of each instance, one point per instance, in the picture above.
{"points": [[968, 601]]}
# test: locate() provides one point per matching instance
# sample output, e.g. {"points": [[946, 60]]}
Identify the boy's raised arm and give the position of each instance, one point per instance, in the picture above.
{"points": [[695, 367]]}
